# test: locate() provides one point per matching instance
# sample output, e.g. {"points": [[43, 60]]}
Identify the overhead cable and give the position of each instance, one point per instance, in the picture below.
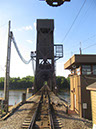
{"points": [[87, 47], [33, 67], [89, 38], [73, 21], [21, 57]]}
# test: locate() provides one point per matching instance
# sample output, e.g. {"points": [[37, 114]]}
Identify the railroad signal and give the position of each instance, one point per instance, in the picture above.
{"points": [[56, 3]]}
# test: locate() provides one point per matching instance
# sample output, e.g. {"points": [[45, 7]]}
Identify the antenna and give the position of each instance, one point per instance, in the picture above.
{"points": [[80, 49]]}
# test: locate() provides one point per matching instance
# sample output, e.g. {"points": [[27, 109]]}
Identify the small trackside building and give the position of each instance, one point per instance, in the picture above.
{"points": [[92, 89], [83, 73]]}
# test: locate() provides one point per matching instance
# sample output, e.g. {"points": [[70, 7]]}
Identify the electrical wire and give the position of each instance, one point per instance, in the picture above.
{"points": [[86, 47], [73, 21], [94, 2], [89, 38], [89, 46], [21, 57], [85, 14]]}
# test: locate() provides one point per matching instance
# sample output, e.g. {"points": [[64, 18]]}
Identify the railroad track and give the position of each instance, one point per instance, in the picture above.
{"points": [[42, 114]]}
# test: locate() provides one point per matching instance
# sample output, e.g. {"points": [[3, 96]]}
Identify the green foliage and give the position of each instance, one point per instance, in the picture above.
{"points": [[1, 82], [62, 82], [68, 79], [27, 82], [45, 83], [17, 83]]}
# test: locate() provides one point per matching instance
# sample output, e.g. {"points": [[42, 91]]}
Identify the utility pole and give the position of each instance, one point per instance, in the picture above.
{"points": [[7, 72]]}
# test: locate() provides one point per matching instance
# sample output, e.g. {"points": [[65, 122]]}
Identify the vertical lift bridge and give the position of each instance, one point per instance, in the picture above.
{"points": [[46, 54]]}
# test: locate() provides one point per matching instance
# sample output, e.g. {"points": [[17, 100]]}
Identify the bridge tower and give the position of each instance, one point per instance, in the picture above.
{"points": [[46, 54]]}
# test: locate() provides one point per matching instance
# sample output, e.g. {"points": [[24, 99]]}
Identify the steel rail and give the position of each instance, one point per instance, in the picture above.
{"points": [[37, 111], [35, 114], [50, 115]]}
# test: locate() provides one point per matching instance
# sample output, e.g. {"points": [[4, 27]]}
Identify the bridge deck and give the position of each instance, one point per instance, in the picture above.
{"points": [[66, 121]]}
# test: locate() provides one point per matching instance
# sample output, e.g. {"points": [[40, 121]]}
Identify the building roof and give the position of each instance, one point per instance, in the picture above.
{"points": [[77, 59], [92, 87]]}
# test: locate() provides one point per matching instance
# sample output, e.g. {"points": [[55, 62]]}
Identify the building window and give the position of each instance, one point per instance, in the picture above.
{"points": [[86, 69], [94, 69]]}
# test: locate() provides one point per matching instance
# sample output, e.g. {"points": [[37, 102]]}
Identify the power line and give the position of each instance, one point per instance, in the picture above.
{"points": [[89, 38], [74, 21], [89, 46], [86, 47], [86, 12], [94, 2]]}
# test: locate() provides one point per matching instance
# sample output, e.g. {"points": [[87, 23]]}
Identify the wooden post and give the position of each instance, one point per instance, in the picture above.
{"points": [[23, 97], [7, 72]]}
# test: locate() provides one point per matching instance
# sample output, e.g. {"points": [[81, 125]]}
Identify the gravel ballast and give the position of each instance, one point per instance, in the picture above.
{"points": [[16, 120]]}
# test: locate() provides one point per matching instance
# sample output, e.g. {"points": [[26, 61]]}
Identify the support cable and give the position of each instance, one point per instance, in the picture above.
{"points": [[33, 67], [21, 57]]}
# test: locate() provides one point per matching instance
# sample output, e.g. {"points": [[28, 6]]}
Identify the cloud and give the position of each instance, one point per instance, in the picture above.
{"points": [[29, 41], [24, 28]]}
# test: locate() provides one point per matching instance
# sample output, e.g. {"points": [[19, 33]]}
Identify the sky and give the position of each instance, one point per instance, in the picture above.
{"points": [[23, 15]]}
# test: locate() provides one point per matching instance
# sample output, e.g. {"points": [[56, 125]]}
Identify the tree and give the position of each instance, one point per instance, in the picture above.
{"points": [[27, 82]]}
